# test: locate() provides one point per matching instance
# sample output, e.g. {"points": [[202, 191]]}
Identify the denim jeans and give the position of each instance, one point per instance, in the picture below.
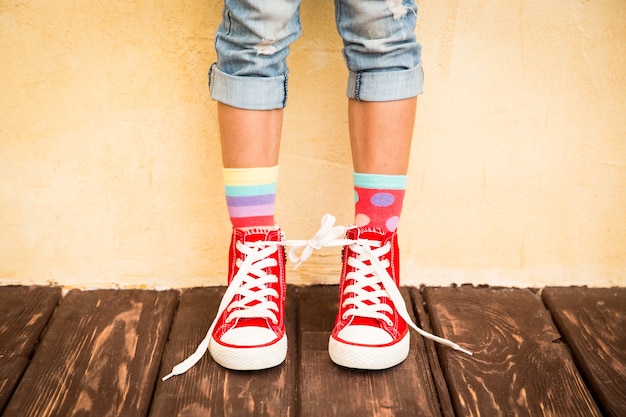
{"points": [[252, 43]]}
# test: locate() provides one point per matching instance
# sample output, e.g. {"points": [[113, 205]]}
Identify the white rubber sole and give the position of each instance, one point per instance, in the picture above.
{"points": [[368, 357], [249, 358]]}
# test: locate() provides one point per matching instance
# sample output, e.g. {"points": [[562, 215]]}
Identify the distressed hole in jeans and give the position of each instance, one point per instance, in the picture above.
{"points": [[265, 47], [397, 8]]}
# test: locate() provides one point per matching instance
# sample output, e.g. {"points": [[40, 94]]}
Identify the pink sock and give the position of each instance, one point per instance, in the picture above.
{"points": [[378, 200]]}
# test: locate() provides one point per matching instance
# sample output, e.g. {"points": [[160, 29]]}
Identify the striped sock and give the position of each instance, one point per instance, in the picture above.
{"points": [[378, 200], [251, 195]]}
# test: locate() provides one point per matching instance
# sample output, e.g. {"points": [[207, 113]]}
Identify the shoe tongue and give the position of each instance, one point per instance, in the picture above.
{"points": [[255, 235], [371, 233], [366, 321]]}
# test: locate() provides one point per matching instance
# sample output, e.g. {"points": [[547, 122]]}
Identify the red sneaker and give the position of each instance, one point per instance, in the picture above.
{"points": [[248, 332], [372, 326], [369, 333]]}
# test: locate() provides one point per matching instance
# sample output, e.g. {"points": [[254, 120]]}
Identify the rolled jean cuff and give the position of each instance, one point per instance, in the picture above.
{"points": [[386, 85], [250, 93]]}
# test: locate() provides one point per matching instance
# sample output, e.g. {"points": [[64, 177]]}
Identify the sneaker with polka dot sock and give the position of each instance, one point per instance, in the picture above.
{"points": [[371, 328], [378, 200]]}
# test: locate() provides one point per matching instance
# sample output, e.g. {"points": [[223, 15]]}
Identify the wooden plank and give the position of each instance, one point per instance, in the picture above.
{"points": [[207, 389], [99, 356], [593, 322], [11, 370], [445, 403], [519, 366], [330, 390], [25, 312]]}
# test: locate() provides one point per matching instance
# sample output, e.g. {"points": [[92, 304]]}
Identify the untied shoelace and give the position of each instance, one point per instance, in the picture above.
{"points": [[253, 303], [374, 275], [328, 236], [257, 258]]}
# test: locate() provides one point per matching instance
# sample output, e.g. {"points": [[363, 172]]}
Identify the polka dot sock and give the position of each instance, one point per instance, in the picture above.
{"points": [[251, 195], [378, 200]]}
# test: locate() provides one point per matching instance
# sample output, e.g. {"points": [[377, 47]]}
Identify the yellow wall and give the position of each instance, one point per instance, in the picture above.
{"points": [[110, 172]]}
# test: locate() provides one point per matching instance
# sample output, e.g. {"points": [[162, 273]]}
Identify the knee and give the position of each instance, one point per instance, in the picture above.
{"points": [[274, 19], [379, 24], [398, 9], [263, 23]]}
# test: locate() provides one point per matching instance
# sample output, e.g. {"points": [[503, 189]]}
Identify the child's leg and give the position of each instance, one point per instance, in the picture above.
{"points": [[383, 58], [250, 145], [249, 79], [380, 135], [249, 138], [249, 82], [384, 62]]}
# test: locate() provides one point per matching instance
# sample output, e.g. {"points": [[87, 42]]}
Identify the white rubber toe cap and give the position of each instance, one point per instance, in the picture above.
{"points": [[248, 336], [364, 335]]}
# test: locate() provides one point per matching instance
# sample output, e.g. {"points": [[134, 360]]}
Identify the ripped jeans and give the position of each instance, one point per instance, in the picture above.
{"points": [[253, 39]]}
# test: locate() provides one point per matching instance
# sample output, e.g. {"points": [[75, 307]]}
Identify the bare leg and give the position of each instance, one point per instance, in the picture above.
{"points": [[380, 135], [250, 138]]}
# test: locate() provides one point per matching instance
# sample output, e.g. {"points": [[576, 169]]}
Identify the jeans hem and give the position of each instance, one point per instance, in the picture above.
{"points": [[385, 85], [251, 93]]}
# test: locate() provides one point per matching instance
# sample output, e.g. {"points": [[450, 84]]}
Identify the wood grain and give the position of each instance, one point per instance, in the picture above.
{"points": [[98, 353], [445, 403], [25, 311], [330, 390], [99, 356], [207, 389], [519, 367], [593, 322]]}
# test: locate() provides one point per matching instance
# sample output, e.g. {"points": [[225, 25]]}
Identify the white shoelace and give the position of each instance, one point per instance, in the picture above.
{"points": [[250, 282], [373, 274], [327, 236], [370, 272], [252, 276]]}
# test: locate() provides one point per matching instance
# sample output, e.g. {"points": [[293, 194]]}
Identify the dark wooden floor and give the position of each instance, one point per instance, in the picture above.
{"points": [[555, 352]]}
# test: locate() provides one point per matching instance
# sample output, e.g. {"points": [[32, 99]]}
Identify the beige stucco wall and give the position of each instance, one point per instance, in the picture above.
{"points": [[109, 157]]}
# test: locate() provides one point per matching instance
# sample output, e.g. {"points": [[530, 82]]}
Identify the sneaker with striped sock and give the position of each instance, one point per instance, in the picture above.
{"points": [[248, 332]]}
